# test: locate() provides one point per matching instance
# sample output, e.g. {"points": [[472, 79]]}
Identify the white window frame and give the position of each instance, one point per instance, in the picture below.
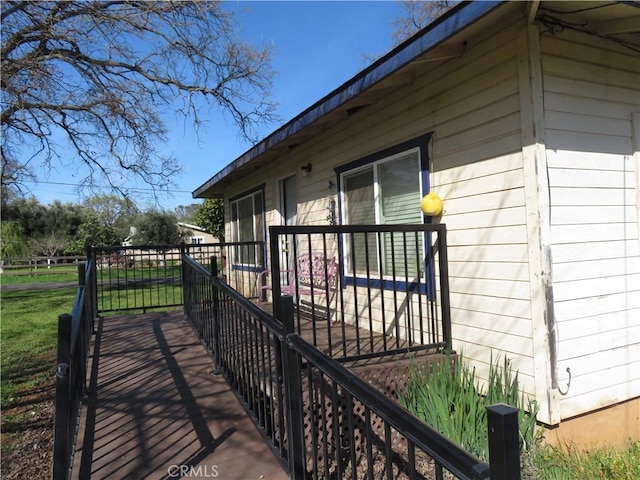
{"points": [[257, 227]]}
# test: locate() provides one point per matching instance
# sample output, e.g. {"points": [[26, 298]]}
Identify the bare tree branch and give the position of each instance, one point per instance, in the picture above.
{"points": [[100, 75], [417, 15]]}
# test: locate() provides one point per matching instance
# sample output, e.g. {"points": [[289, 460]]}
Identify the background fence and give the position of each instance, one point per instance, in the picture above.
{"points": [[135, 278], [39, 265]]}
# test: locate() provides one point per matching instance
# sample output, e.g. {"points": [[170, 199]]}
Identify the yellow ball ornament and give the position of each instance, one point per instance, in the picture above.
{"points": [[431, 205]]}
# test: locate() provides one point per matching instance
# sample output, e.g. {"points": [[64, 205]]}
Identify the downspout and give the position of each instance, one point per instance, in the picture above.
{"points": [[538, 210]]}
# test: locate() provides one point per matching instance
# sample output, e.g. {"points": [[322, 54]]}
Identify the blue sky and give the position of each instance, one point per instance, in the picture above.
{"points": [[318, 46]]}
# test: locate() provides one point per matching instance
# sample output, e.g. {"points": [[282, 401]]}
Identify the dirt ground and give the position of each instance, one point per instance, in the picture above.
{"points": [[27, 434]]}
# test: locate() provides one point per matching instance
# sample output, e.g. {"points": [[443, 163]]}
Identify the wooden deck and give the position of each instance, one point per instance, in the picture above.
{"points": [[156, 410], [351, 345]]}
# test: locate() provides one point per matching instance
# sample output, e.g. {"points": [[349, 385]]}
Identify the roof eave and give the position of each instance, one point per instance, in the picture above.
{"points": [[456, 20]]}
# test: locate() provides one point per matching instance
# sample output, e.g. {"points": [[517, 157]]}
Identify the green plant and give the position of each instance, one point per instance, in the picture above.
{"points": [[447, 396], [567, 462]]}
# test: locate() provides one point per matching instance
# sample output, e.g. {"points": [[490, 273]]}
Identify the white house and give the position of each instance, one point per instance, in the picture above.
{"points": [[195, 235], [524, 117]]}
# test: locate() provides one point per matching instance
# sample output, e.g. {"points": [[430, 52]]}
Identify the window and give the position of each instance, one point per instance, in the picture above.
{"points": [[197, 240], [385, 189], [247, 225]]}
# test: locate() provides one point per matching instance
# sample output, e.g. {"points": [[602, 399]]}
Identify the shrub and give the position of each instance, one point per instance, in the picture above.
{"points": [[447, 396]]}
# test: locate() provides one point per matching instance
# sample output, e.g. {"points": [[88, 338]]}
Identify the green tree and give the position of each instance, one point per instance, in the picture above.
{"points": [[64, 219], [113, 211], [210, 216], [12, 240], [93, 233], [29, 213], [186, 213], [101, 74], [155, 227], [37, 220]]}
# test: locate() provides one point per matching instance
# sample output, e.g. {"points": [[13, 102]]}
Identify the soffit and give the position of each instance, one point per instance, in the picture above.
{"points": [[602, 18]]}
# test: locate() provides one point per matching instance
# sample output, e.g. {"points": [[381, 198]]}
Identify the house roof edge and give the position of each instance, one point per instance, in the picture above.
{"points": [[452, 22]]}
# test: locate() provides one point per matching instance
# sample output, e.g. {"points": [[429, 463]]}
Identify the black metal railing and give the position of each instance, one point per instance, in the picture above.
{"points": [[391, 285], [74, 338], [245, 343], [150, 277], [320, 418]]}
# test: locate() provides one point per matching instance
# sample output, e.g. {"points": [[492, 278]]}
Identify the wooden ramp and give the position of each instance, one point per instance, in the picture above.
{"points": [[155, 410]]}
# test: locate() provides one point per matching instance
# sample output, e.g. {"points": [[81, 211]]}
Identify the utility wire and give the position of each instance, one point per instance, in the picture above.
{"points": [[100, 186]]}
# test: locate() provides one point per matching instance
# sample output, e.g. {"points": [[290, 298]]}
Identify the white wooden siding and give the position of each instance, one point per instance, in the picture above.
{"points": [[475, 107], [471, 104], [478, 171], [589, 104]]}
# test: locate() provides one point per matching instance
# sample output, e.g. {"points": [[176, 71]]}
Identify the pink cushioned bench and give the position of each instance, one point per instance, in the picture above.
{"points": [[314, 275]]}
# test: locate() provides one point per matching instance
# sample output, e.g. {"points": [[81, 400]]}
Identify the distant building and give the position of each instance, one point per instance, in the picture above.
{"points": [[193, 235], [196, 235]]}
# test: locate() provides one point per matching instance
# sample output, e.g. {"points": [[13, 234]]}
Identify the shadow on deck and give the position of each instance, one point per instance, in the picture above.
{"points": [[155, 409]]}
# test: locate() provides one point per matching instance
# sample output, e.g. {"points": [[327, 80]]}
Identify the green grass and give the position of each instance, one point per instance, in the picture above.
{"points": [[139, 289], [140, 299], [23, 276], [29, 338], [567, 462]]}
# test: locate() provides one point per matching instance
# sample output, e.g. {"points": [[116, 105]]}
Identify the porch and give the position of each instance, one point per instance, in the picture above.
{"points": [[317, 377]]}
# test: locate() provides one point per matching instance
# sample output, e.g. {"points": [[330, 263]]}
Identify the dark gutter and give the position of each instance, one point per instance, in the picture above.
{"points": [[451, 23]]}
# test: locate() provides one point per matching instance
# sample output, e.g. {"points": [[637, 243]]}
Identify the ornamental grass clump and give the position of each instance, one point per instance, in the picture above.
{"points": [[448, 397]]}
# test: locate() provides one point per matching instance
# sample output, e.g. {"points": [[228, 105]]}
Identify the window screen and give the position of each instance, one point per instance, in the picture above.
{"points": [[386, 192]]}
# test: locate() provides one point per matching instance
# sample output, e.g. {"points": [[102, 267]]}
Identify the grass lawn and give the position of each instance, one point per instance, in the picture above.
{"points": [[67, 273], [27, 368], [29, 338], [600, 462]]}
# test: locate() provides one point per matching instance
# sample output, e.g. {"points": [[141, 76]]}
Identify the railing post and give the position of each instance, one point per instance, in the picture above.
{"points": [[61, 434], [186, 287], [93, 286], [85, 326], [504, 445], [293, 392], [445, 302], [183, 279], [82, 272], [216, 313]]}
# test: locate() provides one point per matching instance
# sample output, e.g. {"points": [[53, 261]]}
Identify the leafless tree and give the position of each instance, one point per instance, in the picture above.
{"points": [[99, 76], [417, 15], [48, 245]]}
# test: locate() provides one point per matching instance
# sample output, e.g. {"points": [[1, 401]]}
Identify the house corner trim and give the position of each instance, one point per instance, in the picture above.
{"points": [[538, 204]]}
